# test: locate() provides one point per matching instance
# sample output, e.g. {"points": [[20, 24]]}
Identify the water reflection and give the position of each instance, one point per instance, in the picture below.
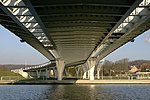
{"points": [[75, 92], [100, 92]]}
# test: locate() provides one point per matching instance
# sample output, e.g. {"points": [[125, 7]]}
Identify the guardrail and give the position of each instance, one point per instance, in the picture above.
{"points": [[37, 66]]}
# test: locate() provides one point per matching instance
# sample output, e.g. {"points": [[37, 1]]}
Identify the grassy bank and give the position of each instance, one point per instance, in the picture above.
{"points": [[6, 74]]}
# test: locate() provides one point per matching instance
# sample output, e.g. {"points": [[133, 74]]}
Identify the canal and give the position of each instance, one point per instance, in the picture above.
{"points": [[76, 92]]}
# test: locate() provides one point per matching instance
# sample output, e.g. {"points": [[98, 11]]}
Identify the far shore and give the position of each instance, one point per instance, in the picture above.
{"points": [[13, 82]]}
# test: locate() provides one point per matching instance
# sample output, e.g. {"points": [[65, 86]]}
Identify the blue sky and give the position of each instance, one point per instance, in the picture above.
{"points": [[12, 51], [139, 49]]}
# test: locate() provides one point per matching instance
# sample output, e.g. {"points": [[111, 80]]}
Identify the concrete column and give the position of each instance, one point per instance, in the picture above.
{"points": [[84, 67], [60, 64], [28, 75], [81, 71], [99, 67], [77, 69], [84, 75], [92, 73], [67, 72], [91, 65], [50, 73], [38, 73], [88, 74], [47, 73], [98, 74], [55, 72]]}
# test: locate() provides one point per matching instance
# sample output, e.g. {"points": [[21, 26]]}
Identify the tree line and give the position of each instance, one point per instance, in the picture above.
{"points": [[123, 66]]}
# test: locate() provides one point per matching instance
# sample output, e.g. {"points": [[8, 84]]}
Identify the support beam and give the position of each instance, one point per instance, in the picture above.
{"points": [[91, 64], [60, 64]]}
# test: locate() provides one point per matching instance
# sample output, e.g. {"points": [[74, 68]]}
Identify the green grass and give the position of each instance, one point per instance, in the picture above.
{"points": [[6, 72]]}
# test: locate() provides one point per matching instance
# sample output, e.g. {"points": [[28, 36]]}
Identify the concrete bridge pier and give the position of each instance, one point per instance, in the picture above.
{"points": [[98, 73], [55, 72], [47, 73], [51, 72], [38, 73], [88, 74], [84, 71], [60, 64], [84, 75], [99, 67], [28, 75], [22, 73], [67, 72], [77, 69], [91, 65]]}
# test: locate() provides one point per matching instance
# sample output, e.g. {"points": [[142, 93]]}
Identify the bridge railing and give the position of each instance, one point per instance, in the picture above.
{"points": [[37, 66]]}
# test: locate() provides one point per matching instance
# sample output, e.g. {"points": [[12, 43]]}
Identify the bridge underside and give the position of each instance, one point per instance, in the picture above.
{"points": [[75, 30]]}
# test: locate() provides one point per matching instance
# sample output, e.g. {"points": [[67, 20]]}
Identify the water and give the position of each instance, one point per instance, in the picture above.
{"points": [[75, 92]]}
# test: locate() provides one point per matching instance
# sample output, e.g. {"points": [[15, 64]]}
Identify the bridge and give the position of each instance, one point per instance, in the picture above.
{"points": [[75, 32], [48, 71], [36, 71]]}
